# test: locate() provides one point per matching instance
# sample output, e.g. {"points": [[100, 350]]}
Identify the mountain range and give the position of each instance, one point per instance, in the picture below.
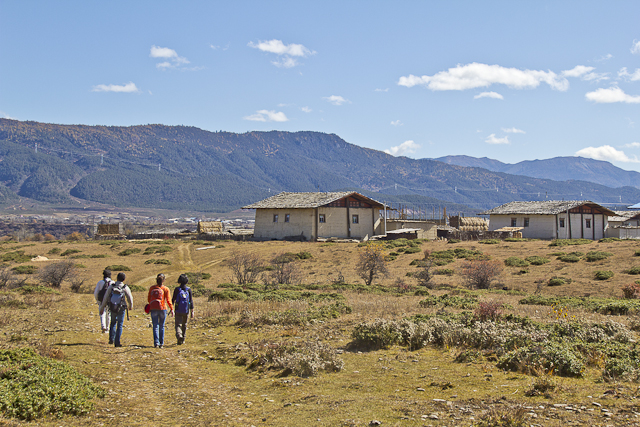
{"points": [[557, 168], [179, 167]]}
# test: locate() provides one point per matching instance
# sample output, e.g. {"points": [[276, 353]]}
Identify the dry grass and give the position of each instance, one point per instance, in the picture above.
{"points": [[203, 383]]}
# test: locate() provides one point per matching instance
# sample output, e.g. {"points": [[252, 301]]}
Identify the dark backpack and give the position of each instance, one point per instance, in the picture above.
{"points": [[118, 301], [182, 301], [155, 298], [105, 285]]}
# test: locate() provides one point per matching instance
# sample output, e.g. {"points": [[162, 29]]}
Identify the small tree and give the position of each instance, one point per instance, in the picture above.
{"points": [[371, 263], [245, 267], [480, 274], [54, 274]]}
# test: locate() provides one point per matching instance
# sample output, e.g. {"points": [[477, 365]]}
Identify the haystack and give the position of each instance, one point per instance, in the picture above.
{"points": [[209, 227]]}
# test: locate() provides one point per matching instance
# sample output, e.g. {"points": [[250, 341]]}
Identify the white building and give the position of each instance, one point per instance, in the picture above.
{"points": [[552, 219]]}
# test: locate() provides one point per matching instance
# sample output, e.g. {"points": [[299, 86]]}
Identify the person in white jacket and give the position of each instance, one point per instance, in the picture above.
{"points": [[117, 306], [98, 293]]}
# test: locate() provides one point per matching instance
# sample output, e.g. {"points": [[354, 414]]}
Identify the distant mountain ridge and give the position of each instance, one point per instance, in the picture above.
{"points": [[179, 167], [556, 168]]}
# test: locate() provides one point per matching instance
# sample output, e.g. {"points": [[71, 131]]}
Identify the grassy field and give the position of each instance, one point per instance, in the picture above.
{"points": [[311, 353]]}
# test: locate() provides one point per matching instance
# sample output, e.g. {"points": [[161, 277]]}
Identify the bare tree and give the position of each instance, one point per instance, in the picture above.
{"points": [[480, 274], [371, 263], [54, 274], [245, 267], [283, 271]]}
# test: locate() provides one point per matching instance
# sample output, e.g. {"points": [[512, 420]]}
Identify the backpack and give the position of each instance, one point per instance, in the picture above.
{"points": [[182, 301], [105, 285], [117, 302], [155, 298]]}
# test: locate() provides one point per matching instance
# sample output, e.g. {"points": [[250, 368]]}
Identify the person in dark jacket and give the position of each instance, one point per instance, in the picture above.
{"points": [[183, 303]]}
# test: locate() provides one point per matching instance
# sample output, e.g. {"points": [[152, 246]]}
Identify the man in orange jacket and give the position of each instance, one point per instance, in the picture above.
{"points": [[159, 300]]}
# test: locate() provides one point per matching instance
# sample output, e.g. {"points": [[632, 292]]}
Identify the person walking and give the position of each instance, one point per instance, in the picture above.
{"points": [[183, 303], [98, 294], [116, 298], [158, 299]]}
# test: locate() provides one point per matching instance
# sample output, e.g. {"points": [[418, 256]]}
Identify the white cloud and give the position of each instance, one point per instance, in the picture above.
{"points": [[611, 95], [635, 76], [382, 90], [606, 57], [397, 123], [406, 147], [606, 152], [476, 75], [635, 48], [512, 130], [491, 139], [494, 95], [289, 52], [126, 88], [336, 100], [632, 145], [173, 60], [306, 109], [585, 73], [6, 116], [267, 116]]}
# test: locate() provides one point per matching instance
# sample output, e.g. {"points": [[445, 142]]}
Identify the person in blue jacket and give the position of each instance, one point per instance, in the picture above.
{"points": [[183, 303]]}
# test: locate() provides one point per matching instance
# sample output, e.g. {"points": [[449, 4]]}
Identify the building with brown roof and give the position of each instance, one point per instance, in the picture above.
{"points": [[552, 219], [311, 216]]}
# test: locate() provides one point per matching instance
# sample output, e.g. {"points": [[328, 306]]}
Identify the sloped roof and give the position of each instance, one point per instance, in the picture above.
{"points": [[547, 207], [636, 206], [621, 216], [306, 200]]}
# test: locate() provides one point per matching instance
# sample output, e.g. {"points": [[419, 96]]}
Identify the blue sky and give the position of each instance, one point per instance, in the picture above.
{"points": [[507, 80]]}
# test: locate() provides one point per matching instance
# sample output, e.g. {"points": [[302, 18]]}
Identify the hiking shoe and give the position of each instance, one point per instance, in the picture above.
{"points": [[110, 341], [104, 330], [160, 346]]}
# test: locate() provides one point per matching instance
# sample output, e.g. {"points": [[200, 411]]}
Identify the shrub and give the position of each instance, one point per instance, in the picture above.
{"points": [[536, 260], [425, 276], [70, 252], [603, 274], [571, 257], [76, 237], [570, 242], [480, 274], [556, 281], [489, 241], [514, 261], [597, 256], [17, 256], [547, 356], [453, 241], [379, 334], [227, 296], [444, 272], [25, 269], [49, 237], [54, 274], [488, 310], [304, 255], [637, 252], [245, 267], [633, 270], [283, 271], [129, 251], [118, 267], [33, 386], [54, 251], [631, 291], [304, 359], [412, 250], [403, 287], [157, 249], [609, 240], [463, 303], [158, 261], [76, 284]]}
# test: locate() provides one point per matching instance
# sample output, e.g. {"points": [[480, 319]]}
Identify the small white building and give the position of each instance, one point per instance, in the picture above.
{"points": [[552, 219], [625, 219], [311, 216]]}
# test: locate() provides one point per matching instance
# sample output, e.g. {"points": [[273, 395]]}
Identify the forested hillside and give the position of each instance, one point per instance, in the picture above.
{"points": [[184, 167]]}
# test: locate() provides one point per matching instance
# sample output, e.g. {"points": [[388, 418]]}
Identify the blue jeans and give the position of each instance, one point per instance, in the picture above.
{"points": [[115, 328], [158, 318]]}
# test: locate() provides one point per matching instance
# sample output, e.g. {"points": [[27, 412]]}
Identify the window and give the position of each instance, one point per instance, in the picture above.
{"points": [[587, 223], [514, 222], [286, 217], [526, 222], [354, 203], [321, 218], [561, 222], [275, 218], [354, 219]]}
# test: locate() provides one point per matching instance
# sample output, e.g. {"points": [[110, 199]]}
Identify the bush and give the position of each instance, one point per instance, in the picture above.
{"points": [[304, 255], [138, 288], [514, 261], [158, 261], [444, 272], [597, 256], [556, 281], [129, 251], [76, 237], [480, 274], [245, 267], [17, 256], [548, 356], [157, 249], [570, 242], [631, 291], [489, 241], [54, 274], [304, 359], [33, 386], [603, 274], [25, 269], [488, 310], [118, 267], [371, 263], [54, 251], [633, 270], [571, 257], [227, 296], [70, 252], [463, 303], [536, 260], [609, 240]]}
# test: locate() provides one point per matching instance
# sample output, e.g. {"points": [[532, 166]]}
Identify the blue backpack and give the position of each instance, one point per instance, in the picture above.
{"points": [[182, 301], [117, 302]]}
